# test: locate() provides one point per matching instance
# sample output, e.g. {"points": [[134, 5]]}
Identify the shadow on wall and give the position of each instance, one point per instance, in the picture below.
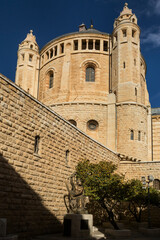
{"points": [[23, 208]]}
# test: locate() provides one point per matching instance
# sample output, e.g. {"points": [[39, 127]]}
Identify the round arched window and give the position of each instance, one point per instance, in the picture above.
{"points": [[92, 124], [50, 78], [90, 74], [73, 122]]}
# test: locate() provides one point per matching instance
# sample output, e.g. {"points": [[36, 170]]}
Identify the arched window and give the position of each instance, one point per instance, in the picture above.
{"points": [[51, 77], [90, 74], [73, 122]]}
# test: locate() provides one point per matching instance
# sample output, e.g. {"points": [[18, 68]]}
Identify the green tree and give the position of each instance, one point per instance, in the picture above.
{"points": [[137, 198], [102, 185]]}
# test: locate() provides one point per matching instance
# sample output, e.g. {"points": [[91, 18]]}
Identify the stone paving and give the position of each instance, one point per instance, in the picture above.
{"points": [[99, 235]]}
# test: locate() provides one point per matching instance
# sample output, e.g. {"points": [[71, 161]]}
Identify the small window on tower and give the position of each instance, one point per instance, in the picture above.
{"points": [[31, 46], [23, 57], [134, 62], [115, 38], [139, 135], [105, 46], [62, 47], [124, 31], [42, 59], [55, 51], [75, 44], [124, 65], [30, 57], [90, 44], [135, 91], [133, 33], [132, 135], [84, 44], [51, 53], [47, 54], [97, 44]]}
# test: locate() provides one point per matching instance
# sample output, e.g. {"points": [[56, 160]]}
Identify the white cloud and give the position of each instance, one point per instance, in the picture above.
{"points": [[152, 36]]}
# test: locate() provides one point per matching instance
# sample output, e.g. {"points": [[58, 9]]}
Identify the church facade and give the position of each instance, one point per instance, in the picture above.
{"points": [[97, 82]]}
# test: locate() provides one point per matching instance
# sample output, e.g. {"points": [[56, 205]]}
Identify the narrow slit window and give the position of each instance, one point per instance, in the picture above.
{"points": [[139, 135], [90, 74], [133, 33], [105, 46], [115, 37], [84, 44], [51, 77], [75, 44], [135, 91], [51, 53], [30, 57], [42, 59], [132, 135], [134, 62], [62, 47], [124, 65], [55, 51], [97, 44], [124, 31], [23, 57], [47, 54], [67, 157], [90, 44], [36, 144]]}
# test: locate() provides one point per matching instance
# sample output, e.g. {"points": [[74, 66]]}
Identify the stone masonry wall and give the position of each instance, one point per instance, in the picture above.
{"points": [[32, 186], [138, 169], [156, 137]]}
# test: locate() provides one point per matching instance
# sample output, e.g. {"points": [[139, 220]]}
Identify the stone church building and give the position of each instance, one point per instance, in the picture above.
{"points": [[82, 96], [97, 82]]}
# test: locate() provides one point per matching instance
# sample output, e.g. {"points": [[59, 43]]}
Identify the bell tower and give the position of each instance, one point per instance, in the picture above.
{"points": [[129, 85], [28, 65], [126, 57]]}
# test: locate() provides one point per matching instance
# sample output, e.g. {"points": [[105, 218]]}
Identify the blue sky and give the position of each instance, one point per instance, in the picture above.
{"points": [[51, 18]]}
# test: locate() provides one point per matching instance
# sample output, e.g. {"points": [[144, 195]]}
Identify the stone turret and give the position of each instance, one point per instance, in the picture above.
{"points": [[28, 64], [129, 86], [126, 56]]}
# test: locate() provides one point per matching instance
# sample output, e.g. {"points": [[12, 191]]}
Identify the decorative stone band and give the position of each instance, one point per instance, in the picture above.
{"points": [[132, 103]]}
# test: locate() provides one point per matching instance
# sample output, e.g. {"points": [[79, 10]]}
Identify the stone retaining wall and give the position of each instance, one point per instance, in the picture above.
{"points": [[32, 185]]}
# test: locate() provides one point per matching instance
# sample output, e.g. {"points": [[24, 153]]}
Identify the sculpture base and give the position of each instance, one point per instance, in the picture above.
{"points": [[78, 225]]}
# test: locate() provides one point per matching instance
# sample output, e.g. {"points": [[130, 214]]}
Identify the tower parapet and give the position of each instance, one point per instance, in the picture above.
{"points": [[28, 64]]}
